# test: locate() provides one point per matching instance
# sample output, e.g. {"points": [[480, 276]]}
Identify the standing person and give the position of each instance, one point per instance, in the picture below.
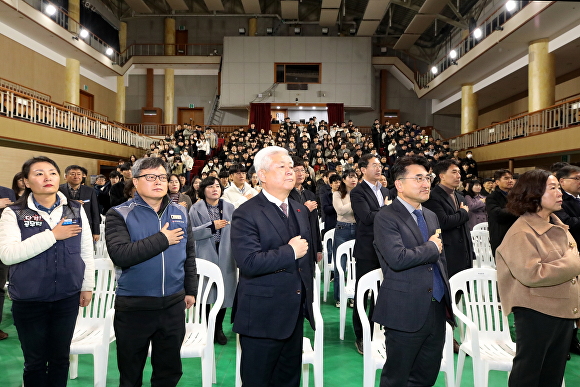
{"points": [[453, 215], [175, 194], [150, 239], [117, 190], [537, 273], [499, 219], [104, 198], [414, 297], [7, 198], [239, 191], [45, 230], [211, 219], [476, 203], [366, 200], [87, 196], [345, 225], [272, 246], [18, 185]]}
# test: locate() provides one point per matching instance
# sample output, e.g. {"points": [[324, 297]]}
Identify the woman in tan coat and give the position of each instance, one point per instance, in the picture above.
{"points": [[537, 269]]}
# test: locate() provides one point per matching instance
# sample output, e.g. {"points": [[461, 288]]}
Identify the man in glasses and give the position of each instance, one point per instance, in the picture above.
{"points": [[151, 240], [414, 298]]}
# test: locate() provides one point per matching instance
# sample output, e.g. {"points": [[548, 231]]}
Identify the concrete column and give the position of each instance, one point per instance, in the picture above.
{"points": [[74, 12], [123, 37], [469, 110], [169, 36], [169, 96], [120, 101], [72, 81], [252, 26], [541, 76]]}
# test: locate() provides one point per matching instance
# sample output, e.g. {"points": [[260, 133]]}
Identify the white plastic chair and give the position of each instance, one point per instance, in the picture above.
{"points": [[94, 327], [101, 248], [482, 249], [328, 266], [310, 355], [480, 227], [199, 333], [374, 351], [487, 337], [347, 282]]}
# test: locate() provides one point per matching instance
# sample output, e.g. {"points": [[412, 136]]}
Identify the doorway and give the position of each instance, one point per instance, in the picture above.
{"points": [[191, 116], [87, 100], [181, 42]]}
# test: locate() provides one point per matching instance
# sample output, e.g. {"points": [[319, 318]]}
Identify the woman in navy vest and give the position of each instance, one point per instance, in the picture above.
{"points": [[47, 242]]}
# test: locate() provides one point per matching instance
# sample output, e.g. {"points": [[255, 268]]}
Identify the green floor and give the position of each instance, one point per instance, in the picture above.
{"points": [[342, 363]]}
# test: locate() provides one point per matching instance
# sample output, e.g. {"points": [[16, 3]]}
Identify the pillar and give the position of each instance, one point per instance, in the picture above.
{"points": [[120, 100], [72, 81], [541, 76], [169, 96], [122, 37], [469, 111], [74, 13], [252, 26], [169, 36]]}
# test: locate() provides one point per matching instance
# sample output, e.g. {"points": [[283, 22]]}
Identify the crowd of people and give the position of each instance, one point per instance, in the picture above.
{"points": [[255, 209]]}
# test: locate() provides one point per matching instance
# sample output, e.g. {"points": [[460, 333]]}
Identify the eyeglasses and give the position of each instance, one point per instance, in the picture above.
{"points": [[152, 178], [419, 179], [577, 178]]}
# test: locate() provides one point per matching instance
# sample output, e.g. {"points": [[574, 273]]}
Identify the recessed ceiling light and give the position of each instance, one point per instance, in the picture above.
{"points": [[477, 33]]}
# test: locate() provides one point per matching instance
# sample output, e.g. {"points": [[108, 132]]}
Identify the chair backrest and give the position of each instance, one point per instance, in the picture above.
{"points": [[480, 226], [101, 248], [319, 333], [479, 302], [326, 249], [482, 249], [370, 282], [209, 277], [104, 292], [346, 248]]}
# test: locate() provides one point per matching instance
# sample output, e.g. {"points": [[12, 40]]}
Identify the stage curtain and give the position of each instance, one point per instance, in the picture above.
{"points": [[260, 115], [335, 113]]}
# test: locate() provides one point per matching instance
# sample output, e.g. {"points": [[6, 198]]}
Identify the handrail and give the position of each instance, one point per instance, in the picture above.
{"points": [[24, 90], [85, 111], [21, 106], [559, 116]]}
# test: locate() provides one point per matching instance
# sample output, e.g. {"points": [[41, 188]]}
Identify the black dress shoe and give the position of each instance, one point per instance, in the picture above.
{"points": [[220, 338], [3, 335], [575, 348], [568, 357], [359, 346]]}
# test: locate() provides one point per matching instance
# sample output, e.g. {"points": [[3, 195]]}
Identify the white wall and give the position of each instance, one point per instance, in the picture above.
{"points": [[248, 69]]}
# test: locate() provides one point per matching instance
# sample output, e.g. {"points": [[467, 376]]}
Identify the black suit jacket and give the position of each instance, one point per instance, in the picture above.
{"points": [[7, 193], [90, 204], [328, 210], [365, 206], [269, 295], [406, 291], [454, 230], [570, 214], [312, 215], [498, 218]]}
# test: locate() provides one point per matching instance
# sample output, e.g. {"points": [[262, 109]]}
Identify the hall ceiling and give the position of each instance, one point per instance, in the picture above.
{"points": [[421, 25]]}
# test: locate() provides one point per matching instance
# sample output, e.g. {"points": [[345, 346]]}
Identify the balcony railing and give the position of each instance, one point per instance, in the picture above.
{"points": [[560, 116], [27, 108]]}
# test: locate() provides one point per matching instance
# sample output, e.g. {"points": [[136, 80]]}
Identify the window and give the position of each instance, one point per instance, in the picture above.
{"points": [[298, 73]]}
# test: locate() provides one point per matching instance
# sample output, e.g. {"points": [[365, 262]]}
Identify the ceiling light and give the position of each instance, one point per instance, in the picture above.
{"points": [[434, 70], [324, 30], [50, 10], [109, 51], [326, 108], [300, 108], [313, 107], [477, 33], [297, 30], [510, 5], [242, 31], [84, 33], [453, 54]]}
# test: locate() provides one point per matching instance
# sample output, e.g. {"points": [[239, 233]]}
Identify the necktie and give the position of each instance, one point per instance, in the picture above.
{"points": [[284, 208], [438, 287]]}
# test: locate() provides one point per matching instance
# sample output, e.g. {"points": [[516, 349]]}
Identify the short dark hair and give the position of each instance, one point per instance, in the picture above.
{"points": [[237, 167], [363, 162], [400, 167], [114, 174], [526, 196], [147, 163], [499, 173], [334, 178], [566, 171], [298, 161], [127, 166], [223, 174], [443, 165], [206, 183], [557, 166], [72, 168], [488, 179]]}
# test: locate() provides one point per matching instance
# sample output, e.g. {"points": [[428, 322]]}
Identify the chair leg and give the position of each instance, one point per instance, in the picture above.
{"points": [[460, 364], [342, 314], [305, 374], [74, 366], [326, 284], [206, 371]]}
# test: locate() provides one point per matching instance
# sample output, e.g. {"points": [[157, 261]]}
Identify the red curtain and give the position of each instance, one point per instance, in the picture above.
{"points": [[335, 113], [260, 115]]}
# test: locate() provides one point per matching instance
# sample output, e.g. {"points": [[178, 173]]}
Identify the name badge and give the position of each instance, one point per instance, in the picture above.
{"points": [[176, 217]]}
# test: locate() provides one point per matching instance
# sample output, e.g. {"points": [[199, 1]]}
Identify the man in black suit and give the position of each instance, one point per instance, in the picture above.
{"points": [[7, 198], [272, 246], [366, 200], [498, 218], [453, 215], [117, 191], [413, 300], [74, 190]]}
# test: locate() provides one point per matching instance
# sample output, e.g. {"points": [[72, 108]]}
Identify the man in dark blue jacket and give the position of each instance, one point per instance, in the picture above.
{"points": [[7, 198], [151, 240]]}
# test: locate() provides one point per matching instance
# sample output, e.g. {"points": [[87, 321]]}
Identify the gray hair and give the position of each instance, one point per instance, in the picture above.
{"points": [[148, 163], [263, 158]]}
